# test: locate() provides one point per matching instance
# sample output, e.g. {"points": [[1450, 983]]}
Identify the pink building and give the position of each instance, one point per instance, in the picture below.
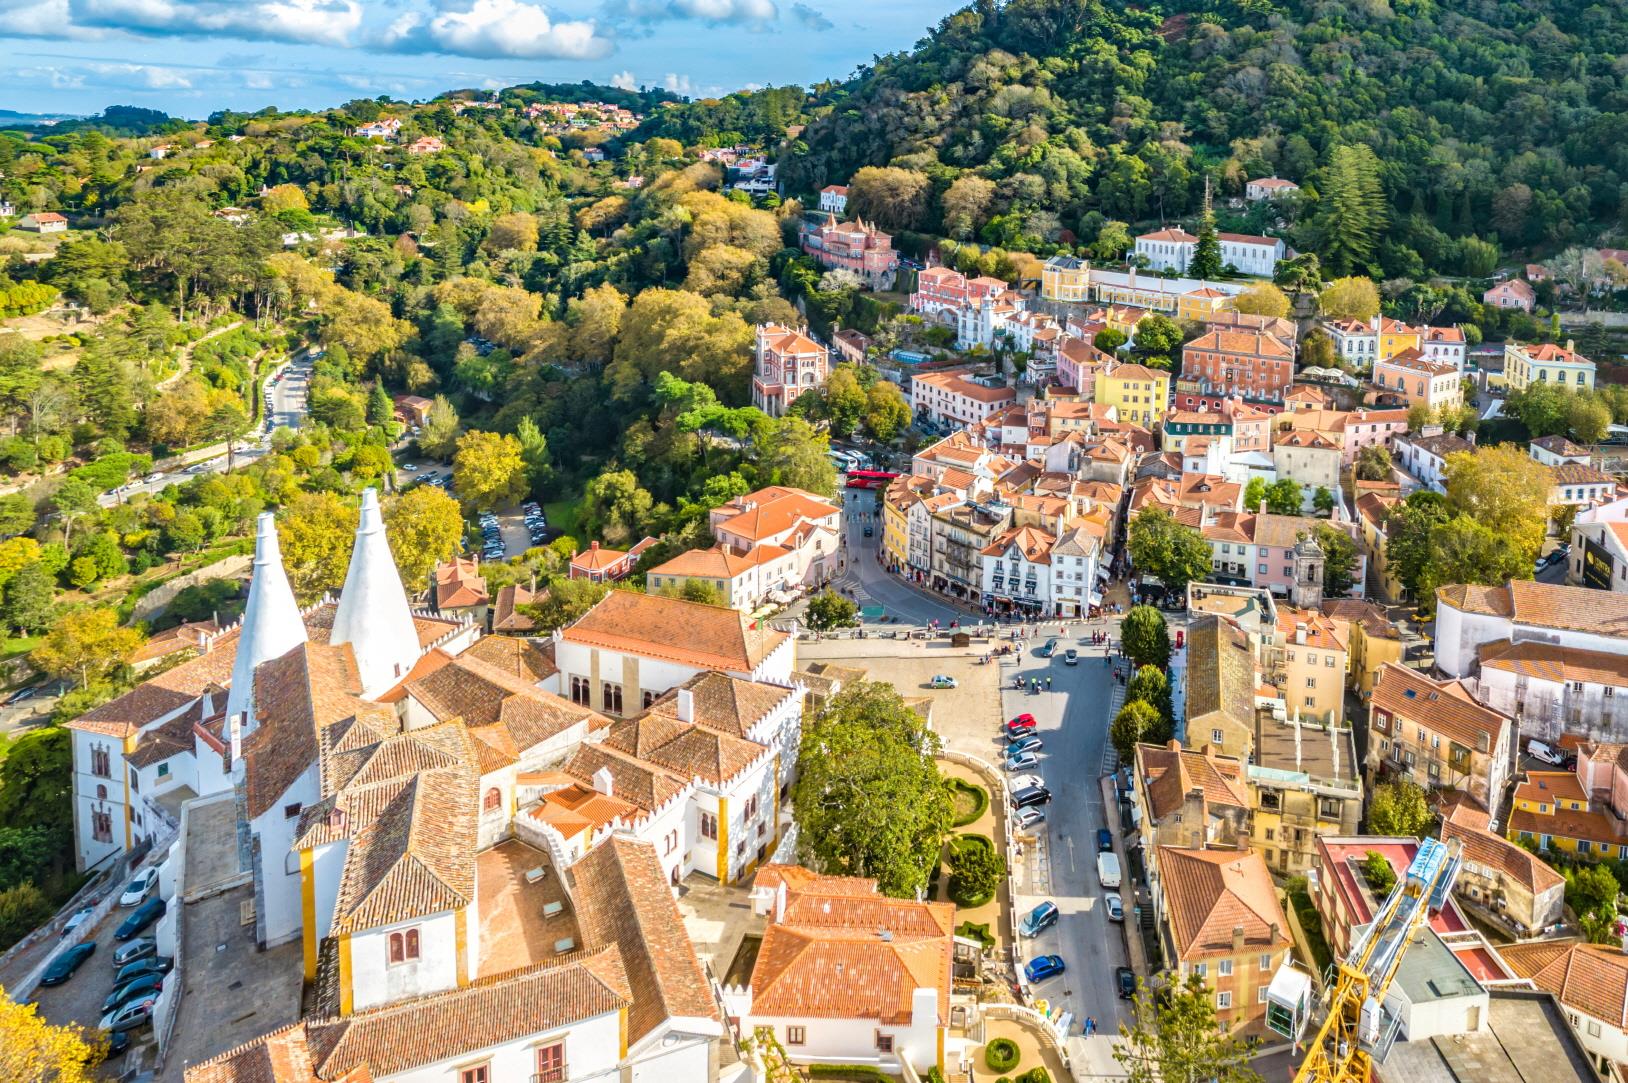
{"points": [[943, 289], [786, 363], [854, 246], [1512, 293], [1371, 428]]}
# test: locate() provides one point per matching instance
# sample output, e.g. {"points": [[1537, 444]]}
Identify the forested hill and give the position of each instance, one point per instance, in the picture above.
{"points": [[1503, 118]]}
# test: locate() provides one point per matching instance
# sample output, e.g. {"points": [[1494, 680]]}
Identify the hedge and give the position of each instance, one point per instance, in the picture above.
{"points": [[976, 794], [1001, 1055], [979, 932], [854, 1073]]}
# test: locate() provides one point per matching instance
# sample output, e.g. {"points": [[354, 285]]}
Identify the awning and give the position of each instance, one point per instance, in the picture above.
{"points": [[1096, 597], [1102, 575]]}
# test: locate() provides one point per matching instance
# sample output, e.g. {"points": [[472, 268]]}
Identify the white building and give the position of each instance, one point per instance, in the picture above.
{"points": [[1173, 249], [1166, 249], [834, 199], [1269, 188], [1445, 345], [1425, 457], [1556, 690], [1076, 569], [1017, 571], [952, 400], [1469, 616], [821, 929]]}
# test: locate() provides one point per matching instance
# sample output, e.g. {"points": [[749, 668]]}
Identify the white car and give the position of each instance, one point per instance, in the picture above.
{"points": [[942, 681], [1028, 817], [409, 467], [1023, 761], [1026, 782], [79, 918], [137, 890], [1540, 751]]}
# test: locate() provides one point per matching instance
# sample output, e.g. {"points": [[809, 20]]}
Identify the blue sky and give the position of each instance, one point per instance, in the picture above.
{"points": [[191, 57]]}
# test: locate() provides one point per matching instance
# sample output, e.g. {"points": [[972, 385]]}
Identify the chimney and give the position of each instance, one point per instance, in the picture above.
{"points": [[372, 615], [593, 546], [1274, 932], [686, 705], [603, 781], [1300, 632], [1571, 346], [271, 625], [1237, 940]]}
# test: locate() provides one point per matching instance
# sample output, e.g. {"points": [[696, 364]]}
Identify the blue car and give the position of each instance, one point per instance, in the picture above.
{"points": [[63, 966], [1042, 967], [143, 916]]}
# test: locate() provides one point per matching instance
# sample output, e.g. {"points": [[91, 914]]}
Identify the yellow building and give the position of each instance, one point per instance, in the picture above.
{"points": [[1396, 336], [896, 521], [1546, 364], [1066, 279], [1552, 810], [1373, 640], [1138, 392], [1202, 304], [1124, 318]]}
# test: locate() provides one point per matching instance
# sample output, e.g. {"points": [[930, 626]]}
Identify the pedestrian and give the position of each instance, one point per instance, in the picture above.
{"points": [[1048, 683]]}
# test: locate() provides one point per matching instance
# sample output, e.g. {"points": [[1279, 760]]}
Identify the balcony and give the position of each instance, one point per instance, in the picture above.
{"points": [[552, 1075]]}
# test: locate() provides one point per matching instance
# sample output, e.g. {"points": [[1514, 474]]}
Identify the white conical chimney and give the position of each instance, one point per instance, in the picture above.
{"points": [[373, 616], [271, 621]]}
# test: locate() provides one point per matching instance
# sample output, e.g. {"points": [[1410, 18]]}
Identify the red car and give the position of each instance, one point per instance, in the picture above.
{"points": [[1023, 723]]}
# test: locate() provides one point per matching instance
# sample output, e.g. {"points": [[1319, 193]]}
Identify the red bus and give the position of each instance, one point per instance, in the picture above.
{"points": [[870, 479]]}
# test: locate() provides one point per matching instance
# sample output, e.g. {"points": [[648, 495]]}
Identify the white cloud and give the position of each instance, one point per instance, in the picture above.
{"points": [[745, 12], [42, 19], [623, 80], [678, 84], [318, 22], [499, 28], [811, 18], [258, 80]]}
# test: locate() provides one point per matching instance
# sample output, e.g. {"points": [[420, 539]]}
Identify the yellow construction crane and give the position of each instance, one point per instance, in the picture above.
{"points": [[1342, 1050]]}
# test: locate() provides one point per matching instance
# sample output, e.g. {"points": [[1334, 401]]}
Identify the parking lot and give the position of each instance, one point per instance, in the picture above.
{"points": [[1072, 722]]}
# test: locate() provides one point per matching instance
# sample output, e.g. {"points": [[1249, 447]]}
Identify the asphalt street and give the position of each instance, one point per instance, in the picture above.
{"points": [[1072, 722]]}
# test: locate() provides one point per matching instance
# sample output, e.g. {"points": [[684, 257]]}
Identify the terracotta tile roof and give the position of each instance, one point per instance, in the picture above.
{"points": [[531, 659], [1365, 613], [1589, 978], [576, 808], [1034, 545], [396, 1038], [1220, 673], [1476, 598], [1551, 787], [482, 694], [1174, 233], [771, 512], [1376, 507], [1548, 351], [1495, 852], [596, 558], [1530, 658], [957, 383], [690, 633], [1441, 445], [1248, 238], [164, 694], [1444, 334], [1282, 531], [784, 340], [727, 704], [1580, 609], [1413, 360], [1442, 707], [1209, 893], [283, 1056], [458, 583], [1306, 438], [646, 784], [181, 637], [1243, 344], [684, 748], [1559, 445], [172, 738], [1578, 474], [1171, 772], [1594, 825], [622, 900], [1321, 631], [827, 959]]}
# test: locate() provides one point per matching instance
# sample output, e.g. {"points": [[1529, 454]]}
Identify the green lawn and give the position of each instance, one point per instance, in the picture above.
{"points": [[12, 646], [562, 515]]}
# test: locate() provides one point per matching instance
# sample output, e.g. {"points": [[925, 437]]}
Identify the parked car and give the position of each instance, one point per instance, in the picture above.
{"points": [[1042, 967], [1028, 817], [940, 680], [1048, 648], [1020, 725], [139, 887], [1022, 761], [1105, 840], [1116, 909], [144, 986], [137, 1013], [1071, 657], [1108, 874], [144, 915], [1031, 797], [1540, 751], [118, 1044], [1039, 919], [1029, 742], [78, 918], [1125, 979], [140, 948], [1026, 782], [869, 531], [63, 966], [152, 964]]}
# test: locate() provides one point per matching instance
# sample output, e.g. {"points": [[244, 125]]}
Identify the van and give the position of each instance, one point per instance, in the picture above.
{"points": [[1107, 869]]}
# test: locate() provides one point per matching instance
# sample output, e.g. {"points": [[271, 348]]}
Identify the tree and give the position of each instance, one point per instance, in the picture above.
{"points": [[26, 604], [887, 411], [1339, 560], [380, 410], [1206, 261], [1376, 869], [489, 470], [1262, 299], [1254, 493], [1592, 889], [1151, 686], [284, 197], [1174, 1037], [891, 198], [87, 645], [976, 870], [1354, 298], [441, 430], [73, 501], [1165, 549], [1108, 340], [1588, 419], [1351, 212], [615, 507], [869, 800], [1323, 500], [1158, 336], [791, 452], [1465, 550], [316, 532], [1283, 497], [1131, 726], [1503, 489], [515, 232], [828, 610], [564, 601], [1145, 637], [34, 1049], [966, 205], [1407, 539], [1373, 463], [1400, 808], [424, 527]]}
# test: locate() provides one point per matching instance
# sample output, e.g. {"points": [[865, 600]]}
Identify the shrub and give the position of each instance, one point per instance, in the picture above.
{"points": [[976, 870], [970, 801], [1001, 1055], [979, 932], [853, 1073], [1034, 1075], [1378, 872]]}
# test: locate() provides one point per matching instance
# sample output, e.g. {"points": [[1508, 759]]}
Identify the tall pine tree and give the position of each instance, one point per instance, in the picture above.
{"points": [[1207, 254], [1351, 212]]}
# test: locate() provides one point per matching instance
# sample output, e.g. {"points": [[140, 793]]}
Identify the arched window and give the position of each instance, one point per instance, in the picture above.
{"points": [[101, 792], [494, 799], [404, 946]]}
